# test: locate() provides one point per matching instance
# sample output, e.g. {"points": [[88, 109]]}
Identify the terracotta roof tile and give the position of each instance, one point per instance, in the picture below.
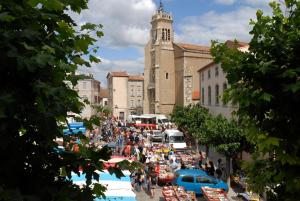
{"points": [[119, 74], [103, 93], [232, 44], [193, 47], [196, 95], [136, 78]]}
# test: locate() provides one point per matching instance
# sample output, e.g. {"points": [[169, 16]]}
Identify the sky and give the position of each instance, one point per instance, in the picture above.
{"points": [[126, 27]]}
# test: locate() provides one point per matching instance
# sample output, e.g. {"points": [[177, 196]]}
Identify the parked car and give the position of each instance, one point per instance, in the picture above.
{"points": [[157, 136], [194, 179]]}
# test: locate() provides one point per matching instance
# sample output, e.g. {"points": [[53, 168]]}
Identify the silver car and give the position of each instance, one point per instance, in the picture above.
{"points": [[157, 136]]}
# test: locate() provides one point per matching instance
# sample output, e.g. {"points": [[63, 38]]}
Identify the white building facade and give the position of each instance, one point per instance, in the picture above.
{"points": [[213, 83], [89, 89]]}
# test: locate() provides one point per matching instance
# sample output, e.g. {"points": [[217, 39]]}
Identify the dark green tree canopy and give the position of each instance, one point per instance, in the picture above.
{"points": [[40, 49], [264, 81]]}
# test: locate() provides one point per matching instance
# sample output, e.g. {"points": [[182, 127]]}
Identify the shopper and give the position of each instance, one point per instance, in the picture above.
{"points": [[151, 185], [211, 169], [219, 168]]}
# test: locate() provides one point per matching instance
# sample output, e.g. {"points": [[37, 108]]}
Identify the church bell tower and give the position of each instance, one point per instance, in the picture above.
{"points": [[162, 27]]}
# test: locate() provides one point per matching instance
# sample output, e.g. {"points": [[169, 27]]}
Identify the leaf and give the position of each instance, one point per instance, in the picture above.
{"points": [[266, 97], [28, 47], [88, 26], [94, 59], [78, 60], [100, 34], [99, 189], [48, 49], [6, 17], [54, 5]]}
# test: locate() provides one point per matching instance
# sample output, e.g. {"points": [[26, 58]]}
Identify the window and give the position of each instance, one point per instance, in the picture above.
{"points": [[131, 105], [167, 76], [188, 178], [139, 103], [216, 71], [105, 103], [202, 75], [131, 92], [202, 96], [95, 99], [217, 94], [169, 35], [121, 115], [209, 95], [208, 74], [139, 91], [201, 179], [84, 85], [163, 34]]}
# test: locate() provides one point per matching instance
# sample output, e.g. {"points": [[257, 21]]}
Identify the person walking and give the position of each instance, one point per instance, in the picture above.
{"points": [[211, 169], [201, 158], [151, 185], [219, 168]]}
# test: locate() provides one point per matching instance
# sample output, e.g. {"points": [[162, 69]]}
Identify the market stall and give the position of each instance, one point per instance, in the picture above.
{"points": [[116, 188], [214, 194], [166, 175], [177, 193]]}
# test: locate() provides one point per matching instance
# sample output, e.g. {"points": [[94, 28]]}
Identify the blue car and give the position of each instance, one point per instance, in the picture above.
{"points": [[194, 179]]}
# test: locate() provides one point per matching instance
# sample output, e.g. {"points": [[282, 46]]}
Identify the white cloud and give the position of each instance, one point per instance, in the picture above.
{"points": [[126, 22], [226, 2], [216, 26], [258, 2], [101, 69]]}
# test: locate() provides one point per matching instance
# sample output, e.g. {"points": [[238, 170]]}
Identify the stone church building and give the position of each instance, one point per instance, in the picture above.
{"points": [[170, 73]]}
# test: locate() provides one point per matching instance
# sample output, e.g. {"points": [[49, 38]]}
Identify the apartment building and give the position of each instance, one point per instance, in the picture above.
{"points": [[136, 94], [213, 83], [89, 89], [125, 94]]}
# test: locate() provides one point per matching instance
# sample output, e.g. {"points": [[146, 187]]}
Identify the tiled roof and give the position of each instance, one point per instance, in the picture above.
{"points": [[136, 78], [232, 44], [119, 74], [196, 95], [193, 47], [103, 93]]}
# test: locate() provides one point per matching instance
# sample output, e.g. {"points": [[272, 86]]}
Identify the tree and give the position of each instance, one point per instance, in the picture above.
{"points": [[102, 111], [190, 118], [40, 49], [226, 136], [265, 83]]}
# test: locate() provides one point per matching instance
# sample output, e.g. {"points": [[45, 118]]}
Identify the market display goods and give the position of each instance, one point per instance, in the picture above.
{"points": [[214, 194], [177, 193]]}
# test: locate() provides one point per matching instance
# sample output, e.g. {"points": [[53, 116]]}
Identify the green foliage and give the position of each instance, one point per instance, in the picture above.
{"points": [[264, 81], [224, 135], [103, 111], [190, 118], [40, 50]]}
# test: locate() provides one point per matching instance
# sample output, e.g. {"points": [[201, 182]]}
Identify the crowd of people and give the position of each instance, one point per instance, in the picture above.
{"points": [[135, 144]]}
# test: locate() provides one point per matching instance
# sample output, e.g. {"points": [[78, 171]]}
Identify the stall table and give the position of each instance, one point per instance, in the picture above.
{"points": [[177, 193], [214, 194]]}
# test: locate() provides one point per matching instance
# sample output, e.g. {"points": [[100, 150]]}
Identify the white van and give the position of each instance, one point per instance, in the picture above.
{"points": [[162, 120], [175, 137]]}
